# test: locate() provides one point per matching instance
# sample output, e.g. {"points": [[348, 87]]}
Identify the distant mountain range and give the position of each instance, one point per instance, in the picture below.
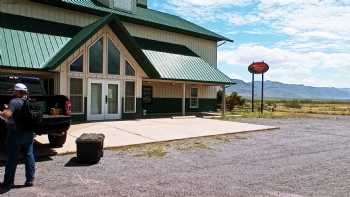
{"points": [[277, 90]]}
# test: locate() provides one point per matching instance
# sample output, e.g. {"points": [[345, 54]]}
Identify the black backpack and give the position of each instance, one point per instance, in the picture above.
{"points": [[28, 117]]}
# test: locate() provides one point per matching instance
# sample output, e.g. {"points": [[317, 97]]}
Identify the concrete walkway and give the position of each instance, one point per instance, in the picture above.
{"points": [[133, 132]]}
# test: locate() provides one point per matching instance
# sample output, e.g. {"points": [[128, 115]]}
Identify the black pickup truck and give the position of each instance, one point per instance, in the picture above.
{"points": [[55, 126]]}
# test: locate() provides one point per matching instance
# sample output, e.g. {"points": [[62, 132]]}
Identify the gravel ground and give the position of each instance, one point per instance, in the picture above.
{"points": [[306, 157]]}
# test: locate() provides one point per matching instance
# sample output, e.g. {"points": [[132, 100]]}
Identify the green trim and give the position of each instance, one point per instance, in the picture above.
{"points": [[174, 105], [27, 24], [154, 45]]}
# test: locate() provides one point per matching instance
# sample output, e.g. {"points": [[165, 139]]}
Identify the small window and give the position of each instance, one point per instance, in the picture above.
{"points": [[77, 65], [96, 57], [76, 95], [113, 59], [194, 98], [129, 70], [130, 99]]}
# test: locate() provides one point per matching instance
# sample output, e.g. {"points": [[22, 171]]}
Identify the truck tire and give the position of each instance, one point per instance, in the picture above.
{"points": [[57, 141]]}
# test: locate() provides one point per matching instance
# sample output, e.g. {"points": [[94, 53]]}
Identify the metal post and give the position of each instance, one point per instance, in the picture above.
{"points": [[262, 93], [223, 100], [253, 81], [184, 100]]}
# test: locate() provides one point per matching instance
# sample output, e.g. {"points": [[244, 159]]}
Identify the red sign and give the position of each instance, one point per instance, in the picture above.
{"points": [[258, 68]]}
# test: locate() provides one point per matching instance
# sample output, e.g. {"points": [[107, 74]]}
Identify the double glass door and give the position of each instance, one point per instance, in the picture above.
{"points": [[104, 100]]}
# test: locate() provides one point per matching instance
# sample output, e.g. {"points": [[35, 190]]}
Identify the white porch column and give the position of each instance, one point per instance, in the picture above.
{"points": [[223, 100], [184, 99]]}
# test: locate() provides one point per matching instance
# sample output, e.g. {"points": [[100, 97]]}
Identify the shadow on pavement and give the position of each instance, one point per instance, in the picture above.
{"points": [[42, 152], [5, 190], [73, 162]]}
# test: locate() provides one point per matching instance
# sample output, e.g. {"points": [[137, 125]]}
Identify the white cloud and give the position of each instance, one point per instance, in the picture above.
{"points": [[316, 48], [292, 67]]}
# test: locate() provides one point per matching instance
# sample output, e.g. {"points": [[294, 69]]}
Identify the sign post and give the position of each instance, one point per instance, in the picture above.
{"points": [[253, 84], [258, 68]]}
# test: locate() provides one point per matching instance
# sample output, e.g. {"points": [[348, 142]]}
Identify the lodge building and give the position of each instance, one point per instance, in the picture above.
{"points": [[114, 59]]}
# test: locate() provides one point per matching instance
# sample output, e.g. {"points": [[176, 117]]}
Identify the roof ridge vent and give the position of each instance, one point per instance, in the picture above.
{"points": [[123, 5]]}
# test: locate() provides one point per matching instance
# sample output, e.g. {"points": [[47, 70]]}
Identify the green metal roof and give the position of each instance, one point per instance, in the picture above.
{"points": [[30, 50], [37, 50], [142, 16], [177, 62]]}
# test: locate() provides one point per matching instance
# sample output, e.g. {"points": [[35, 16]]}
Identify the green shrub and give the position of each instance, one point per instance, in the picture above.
{"points": [[234, 100]]}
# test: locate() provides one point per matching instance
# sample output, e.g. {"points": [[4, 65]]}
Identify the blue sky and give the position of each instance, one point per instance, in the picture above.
{"points": [[303, 41]]}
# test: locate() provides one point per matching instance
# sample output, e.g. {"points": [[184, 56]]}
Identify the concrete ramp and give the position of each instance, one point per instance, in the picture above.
{"points": [[133, 132]]}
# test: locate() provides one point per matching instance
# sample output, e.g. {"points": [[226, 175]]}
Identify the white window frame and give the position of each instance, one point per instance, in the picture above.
{"points": [[82, 94], [197, 98], [135, 88]]}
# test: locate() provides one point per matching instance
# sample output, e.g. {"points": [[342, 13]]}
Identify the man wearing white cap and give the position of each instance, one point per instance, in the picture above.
{"points": [[18, 138]]}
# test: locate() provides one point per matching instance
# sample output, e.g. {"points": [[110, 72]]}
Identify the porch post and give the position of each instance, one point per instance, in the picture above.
{"points": [[223, 100], [184, 99]]}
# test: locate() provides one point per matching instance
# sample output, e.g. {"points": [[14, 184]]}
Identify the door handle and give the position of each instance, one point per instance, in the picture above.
{"points": [[106, 99]]}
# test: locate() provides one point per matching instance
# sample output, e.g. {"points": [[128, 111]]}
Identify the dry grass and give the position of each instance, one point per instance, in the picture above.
{"points": [[161, 149], [297, 109]]}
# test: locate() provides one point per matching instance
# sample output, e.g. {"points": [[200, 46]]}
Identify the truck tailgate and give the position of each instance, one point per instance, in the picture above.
{"points": [[55, 125]]}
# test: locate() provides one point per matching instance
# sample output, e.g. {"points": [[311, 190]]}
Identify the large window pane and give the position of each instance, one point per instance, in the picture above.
{"points": [[113, 59], [76, 95], [96, 100], [96, 57], [130, 96], [129, 70], [112, 98], [77, 65]]}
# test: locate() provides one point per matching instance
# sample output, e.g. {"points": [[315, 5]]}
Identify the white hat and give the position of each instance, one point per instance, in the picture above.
{"points": [[21, 87]]}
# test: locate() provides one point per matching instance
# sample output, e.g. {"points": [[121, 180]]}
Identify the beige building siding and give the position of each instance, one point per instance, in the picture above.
{"points": [[46, 12], [174, 90], [207, 49]]}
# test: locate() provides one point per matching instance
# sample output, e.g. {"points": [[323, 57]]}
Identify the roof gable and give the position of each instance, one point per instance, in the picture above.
{"points": [[120, 31]]}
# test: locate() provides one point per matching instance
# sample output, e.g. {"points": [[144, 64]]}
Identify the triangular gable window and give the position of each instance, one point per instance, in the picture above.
{"points": [[129, 70], [77, 65]]}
